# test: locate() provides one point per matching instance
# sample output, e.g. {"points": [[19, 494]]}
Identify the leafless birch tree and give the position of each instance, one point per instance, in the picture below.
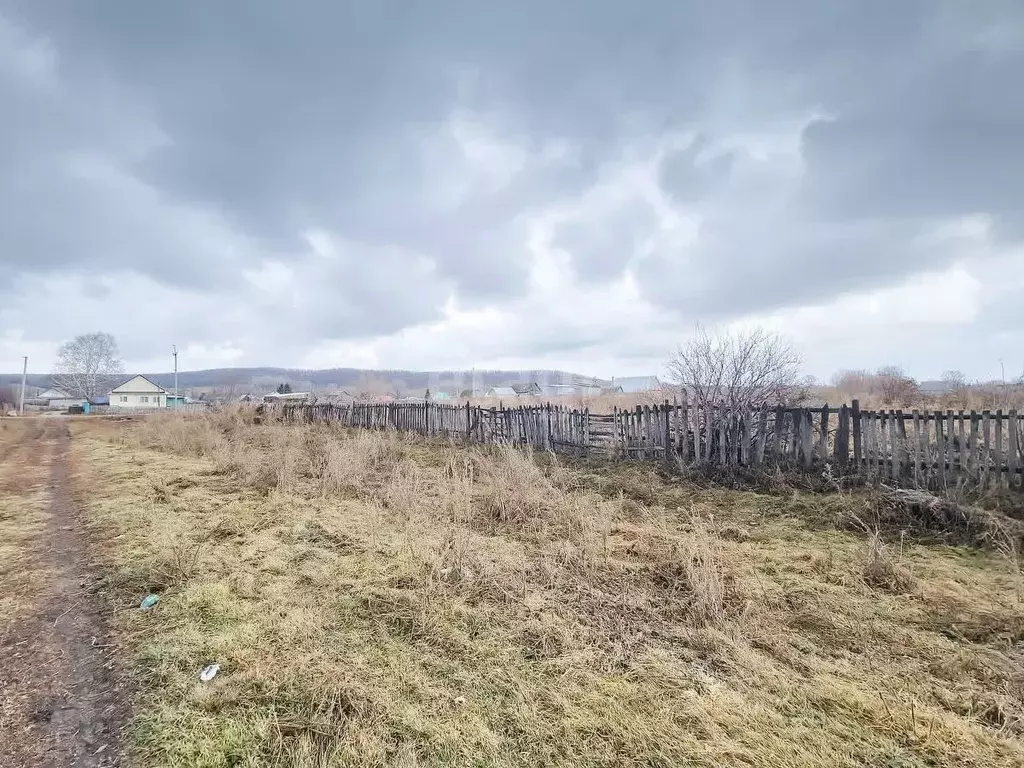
{"points": [[87, 365]]}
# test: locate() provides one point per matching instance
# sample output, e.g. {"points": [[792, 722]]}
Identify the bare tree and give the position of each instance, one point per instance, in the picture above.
{"points": [[895, 387], [87, 364], [744, 369], [954, 380]]}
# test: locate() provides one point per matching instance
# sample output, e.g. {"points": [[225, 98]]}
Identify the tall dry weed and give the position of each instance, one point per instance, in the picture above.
{"points": [[514, 491], [704, 569]]}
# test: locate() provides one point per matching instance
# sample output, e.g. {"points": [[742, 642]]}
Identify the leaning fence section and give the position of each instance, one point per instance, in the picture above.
{"points": [[929, 448]]}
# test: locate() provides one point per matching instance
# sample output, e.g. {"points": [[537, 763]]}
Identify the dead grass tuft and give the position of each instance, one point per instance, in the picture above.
{"points": [[882, 568]]}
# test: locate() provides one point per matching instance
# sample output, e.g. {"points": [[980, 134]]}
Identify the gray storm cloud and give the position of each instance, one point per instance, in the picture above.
{"points": [[190, 142]]}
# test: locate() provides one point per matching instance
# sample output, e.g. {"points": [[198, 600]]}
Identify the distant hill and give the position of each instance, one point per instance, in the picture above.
{"points": [[267, 378]]}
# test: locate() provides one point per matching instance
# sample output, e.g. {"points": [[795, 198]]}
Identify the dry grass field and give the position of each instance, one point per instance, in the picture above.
{"points": [[377, 599]]}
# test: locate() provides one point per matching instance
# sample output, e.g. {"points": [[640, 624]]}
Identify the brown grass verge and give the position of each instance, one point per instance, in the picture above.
{"points": [[376, 599]]}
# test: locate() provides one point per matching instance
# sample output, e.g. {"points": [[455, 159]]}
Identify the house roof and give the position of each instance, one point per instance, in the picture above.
{"points": [[638, 383], [123, 387], [502, 392], [287, 396], [54, 394]]}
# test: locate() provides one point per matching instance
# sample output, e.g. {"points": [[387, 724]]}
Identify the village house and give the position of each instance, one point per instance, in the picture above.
{"points": [[55, 399], [139, 393]]}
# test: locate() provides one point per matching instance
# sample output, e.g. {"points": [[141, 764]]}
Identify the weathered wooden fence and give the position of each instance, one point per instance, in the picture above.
{"points": [[933, 448]]}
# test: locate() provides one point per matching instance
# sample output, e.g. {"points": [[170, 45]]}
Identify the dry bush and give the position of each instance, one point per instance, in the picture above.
{"points": [[745, 369], [881, 568], [927, 517]]}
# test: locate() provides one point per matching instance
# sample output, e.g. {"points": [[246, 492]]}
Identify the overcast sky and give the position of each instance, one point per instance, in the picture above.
{"points": [[569, 184]]}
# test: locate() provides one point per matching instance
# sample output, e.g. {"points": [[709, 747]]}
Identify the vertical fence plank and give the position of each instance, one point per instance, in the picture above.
{"points": [[841, 447], [706, 434], [777, 426], [668, 412], [986, 447], [998, 456], [807, 452], [762, 435], [950, 446], [975, 455], [902, 468], [746, 436], [695, 426], [882, 443], [722, 436], [961, 446], [675, 439], [892, 451], [855, 420], [823, 433], [869, 442], [877, 444], [918, 453], [940, 452], [684, 432], [1013, 450]]}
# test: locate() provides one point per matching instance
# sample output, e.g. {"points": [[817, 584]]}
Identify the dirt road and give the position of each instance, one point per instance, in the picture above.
{"points": [[62, 701]]}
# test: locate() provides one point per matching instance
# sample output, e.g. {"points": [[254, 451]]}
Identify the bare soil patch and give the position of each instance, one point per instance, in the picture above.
{"points": [[62, 701]]}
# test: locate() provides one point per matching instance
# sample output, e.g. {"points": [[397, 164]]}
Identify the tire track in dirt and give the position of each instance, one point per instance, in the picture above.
{"points": [[58, 665]]}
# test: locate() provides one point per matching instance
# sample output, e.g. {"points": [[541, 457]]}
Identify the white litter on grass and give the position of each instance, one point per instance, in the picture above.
{"points": [[209, 672]]}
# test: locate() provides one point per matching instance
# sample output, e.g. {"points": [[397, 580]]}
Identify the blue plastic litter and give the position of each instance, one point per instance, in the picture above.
{"points": [[149, 601]]}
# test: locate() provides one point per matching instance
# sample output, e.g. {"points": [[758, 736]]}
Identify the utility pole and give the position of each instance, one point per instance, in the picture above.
{"points": [[24, 373], [174, 351]]}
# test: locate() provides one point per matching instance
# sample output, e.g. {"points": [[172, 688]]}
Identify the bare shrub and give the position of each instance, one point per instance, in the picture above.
{"points": [[895, 387], [742, 369]]}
